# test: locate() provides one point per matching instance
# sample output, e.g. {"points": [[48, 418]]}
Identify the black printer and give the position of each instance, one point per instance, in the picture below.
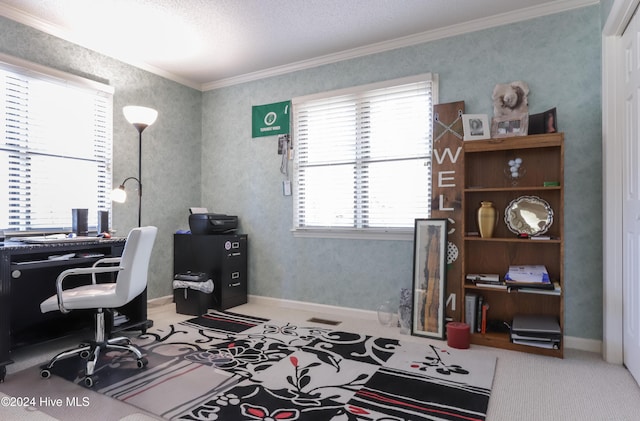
{"points": [[212, 223]]}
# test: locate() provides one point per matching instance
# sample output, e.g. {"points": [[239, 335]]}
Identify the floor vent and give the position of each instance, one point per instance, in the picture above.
{"points": [[324, 321]]}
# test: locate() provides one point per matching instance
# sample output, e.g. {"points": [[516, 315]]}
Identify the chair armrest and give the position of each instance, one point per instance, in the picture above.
{"points": [[104, 260], [107, 260], [79, 271]]}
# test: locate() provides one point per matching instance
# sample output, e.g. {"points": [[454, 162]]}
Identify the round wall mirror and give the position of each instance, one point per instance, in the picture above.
{"points": [[529, 215]]}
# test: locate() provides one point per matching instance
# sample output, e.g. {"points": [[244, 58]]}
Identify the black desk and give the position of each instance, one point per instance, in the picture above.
{"points": [[28, 277]]}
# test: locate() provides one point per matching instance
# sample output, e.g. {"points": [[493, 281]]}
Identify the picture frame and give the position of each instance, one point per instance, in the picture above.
{"points": [[429, 278], [550, 121], [510, 126], [476, 126], [545, 122]]}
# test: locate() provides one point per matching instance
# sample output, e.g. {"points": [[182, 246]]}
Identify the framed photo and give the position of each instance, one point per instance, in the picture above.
{"points": [[550, 121], [510, 126], [476, 126], [429, 277], [546, 122]]}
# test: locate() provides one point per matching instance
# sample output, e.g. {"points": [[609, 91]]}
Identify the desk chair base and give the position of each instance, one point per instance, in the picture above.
{"points": [[91, 352]]}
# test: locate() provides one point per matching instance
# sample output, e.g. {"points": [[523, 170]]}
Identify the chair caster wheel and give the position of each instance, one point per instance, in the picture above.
{"points": [[88, 381], [45, 373], [142, 362], [85, 354]]}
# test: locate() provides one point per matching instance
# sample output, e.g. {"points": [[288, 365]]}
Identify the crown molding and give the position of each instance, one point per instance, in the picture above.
{"points": [[454, 30], [29, 20]]}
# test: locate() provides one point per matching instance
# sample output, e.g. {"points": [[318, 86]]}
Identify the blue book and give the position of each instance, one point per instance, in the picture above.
{"points": [[527, 274]]}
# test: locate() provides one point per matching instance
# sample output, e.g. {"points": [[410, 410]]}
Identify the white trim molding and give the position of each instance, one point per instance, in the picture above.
{"points": [[314, 307], [612, 62]]}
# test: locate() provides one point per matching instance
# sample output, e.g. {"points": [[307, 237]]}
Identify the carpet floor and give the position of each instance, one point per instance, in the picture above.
{"points": [[229, 366]]}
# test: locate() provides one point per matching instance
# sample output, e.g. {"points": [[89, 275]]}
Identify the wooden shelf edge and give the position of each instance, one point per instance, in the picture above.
{"points": [[511, 188], [514, 290], [514, 240], [501, 340], [516, 142]]}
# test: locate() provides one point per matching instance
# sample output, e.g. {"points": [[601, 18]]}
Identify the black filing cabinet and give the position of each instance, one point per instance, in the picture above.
{"points": [[222, 257]]}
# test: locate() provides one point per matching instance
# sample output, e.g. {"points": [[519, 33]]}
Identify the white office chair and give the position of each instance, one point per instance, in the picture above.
{"points": [[131, 280]]}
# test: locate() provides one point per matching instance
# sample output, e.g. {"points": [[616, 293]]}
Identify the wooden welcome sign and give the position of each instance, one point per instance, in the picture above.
{"points": [[447, 175]]}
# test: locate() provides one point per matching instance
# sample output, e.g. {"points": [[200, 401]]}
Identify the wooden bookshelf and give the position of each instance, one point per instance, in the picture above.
{"points": [[485, 180]]}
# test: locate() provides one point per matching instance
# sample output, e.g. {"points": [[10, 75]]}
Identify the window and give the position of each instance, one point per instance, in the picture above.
{"points": [[363, 158], [55, 154]]}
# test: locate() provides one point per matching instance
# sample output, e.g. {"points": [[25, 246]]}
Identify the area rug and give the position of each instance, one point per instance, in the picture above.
{"points": [[227, 366]]}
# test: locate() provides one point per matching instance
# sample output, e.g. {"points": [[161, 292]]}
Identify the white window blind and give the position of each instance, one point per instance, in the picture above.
{"points": [[363, 158], [55, 154]]}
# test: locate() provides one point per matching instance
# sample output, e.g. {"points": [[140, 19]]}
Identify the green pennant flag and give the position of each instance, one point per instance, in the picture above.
{"points": [[270, 119]]}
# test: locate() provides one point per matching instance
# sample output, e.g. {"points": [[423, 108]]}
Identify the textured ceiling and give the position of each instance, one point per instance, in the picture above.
{"points": [[211, 43]]}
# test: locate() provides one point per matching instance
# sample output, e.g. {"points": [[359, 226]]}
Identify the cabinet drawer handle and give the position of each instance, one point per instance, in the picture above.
{"points": [[235, 275], [237, 284]]}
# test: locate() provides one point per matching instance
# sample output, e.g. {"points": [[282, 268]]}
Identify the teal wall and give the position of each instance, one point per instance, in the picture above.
{"points": [[200, 152], [558, 56], [605, 9]]}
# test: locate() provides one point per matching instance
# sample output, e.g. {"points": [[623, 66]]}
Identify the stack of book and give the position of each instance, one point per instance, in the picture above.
{"points": [[476, 308], [528, 276], [487, 280], [556, 290], [542, 331]]}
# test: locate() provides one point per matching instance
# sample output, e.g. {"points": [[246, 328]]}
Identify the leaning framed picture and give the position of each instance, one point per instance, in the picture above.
{"points": [[476, 126], [429, 278]]}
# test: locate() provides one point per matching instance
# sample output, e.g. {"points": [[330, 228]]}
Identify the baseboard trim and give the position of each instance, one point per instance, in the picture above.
{"points": [[582, 344], [314, 307], [160, 301], [571, 342]]}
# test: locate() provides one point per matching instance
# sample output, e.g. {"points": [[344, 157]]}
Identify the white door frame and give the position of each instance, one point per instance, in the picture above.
{"points": [[612, 150]]}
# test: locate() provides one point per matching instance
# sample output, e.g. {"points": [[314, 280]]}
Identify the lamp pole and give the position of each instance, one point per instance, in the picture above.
{"points": [[140, 174], [140, 118]]}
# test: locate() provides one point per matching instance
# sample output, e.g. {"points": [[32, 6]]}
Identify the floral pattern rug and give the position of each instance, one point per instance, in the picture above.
{"points": [[227, 366]]}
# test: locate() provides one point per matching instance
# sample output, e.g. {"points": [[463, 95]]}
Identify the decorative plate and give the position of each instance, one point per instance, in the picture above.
{"points": [[529, 215]]}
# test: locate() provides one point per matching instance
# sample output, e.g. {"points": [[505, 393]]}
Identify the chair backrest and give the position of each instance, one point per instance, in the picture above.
{"points": [[132, 279]]}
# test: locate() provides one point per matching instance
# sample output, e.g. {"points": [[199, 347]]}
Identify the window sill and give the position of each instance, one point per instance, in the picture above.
{"points": [[398, 234]]}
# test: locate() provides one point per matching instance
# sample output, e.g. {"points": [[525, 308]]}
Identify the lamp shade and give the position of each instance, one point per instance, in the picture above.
{"points": [[119, 195], [140, 116]]}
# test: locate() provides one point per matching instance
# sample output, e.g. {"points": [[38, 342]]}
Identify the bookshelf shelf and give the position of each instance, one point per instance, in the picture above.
{"points": [[470, 286], [501, 340], [514, 240], [509, 189], [484, 180]]}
